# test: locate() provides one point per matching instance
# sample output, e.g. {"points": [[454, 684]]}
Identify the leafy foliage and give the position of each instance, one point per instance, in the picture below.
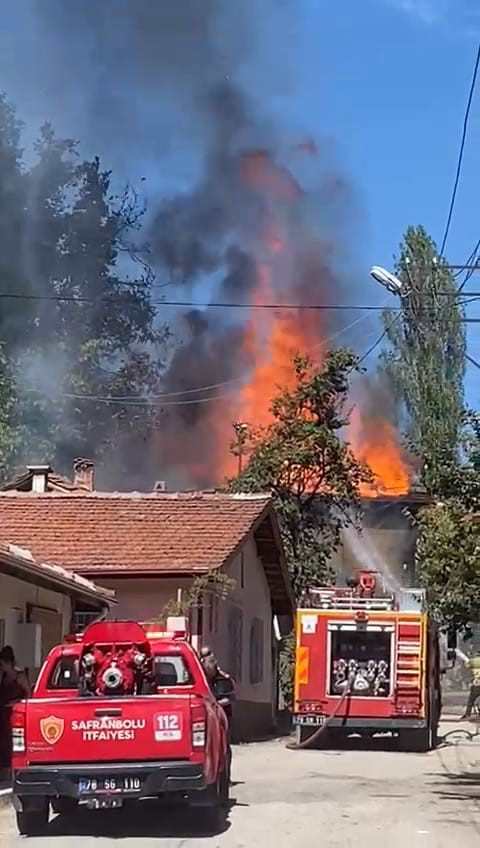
{"points": [[202, 590], [303, 460], [447, 554], [65, 234], [426, 361], [448, 543]]}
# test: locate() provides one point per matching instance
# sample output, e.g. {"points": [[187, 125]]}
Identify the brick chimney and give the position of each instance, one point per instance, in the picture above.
{"points": [[83, 474], [39, 477]]}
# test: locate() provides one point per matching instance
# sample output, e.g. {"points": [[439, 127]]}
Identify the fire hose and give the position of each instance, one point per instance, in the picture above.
{"points": [[298, 746]]}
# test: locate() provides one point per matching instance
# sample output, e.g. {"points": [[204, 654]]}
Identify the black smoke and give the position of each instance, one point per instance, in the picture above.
{"points": [[160, 88]]}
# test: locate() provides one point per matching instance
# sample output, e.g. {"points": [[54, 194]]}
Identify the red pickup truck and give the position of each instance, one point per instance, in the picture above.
{"points": [[118, 715]]}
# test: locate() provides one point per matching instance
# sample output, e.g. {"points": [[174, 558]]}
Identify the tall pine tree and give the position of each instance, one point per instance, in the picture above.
{"points": [[426, 358]]}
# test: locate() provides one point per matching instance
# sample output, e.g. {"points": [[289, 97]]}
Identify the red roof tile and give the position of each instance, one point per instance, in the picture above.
{"points": [[102, 533]]}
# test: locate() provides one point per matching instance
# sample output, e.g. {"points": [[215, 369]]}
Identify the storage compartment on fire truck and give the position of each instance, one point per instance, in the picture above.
{"points": [[362, 655]]}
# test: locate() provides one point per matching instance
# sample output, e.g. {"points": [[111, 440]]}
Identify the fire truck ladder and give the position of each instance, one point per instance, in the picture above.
{"points": [[345, 599], [409, 666]]}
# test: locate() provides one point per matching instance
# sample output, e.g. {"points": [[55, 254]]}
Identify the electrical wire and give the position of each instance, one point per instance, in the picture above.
{"points": [[298, 307], [136, 400], [377, 342], [461, 151], [472, 360]]}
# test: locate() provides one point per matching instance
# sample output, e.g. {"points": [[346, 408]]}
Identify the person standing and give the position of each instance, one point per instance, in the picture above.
{"points": [[222, 686], [13, 687], [473, 664]]}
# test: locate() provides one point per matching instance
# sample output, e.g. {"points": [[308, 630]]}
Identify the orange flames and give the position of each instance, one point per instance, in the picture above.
{"points": [[272, 338], [375, 441]]}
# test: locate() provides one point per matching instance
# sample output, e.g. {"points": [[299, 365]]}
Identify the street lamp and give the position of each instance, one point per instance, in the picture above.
{"points": [[387, 279]]}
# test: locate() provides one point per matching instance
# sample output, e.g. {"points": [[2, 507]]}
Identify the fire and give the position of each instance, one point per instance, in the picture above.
{"points": [[375, 442], [272, 338]]}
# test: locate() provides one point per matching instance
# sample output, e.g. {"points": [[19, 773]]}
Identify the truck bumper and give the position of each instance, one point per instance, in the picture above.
{"points": [[156, 778], [352, 723], [412, 723]]}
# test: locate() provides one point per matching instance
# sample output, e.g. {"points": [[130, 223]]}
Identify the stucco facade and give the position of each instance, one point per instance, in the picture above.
{"points": [[239, 628]]}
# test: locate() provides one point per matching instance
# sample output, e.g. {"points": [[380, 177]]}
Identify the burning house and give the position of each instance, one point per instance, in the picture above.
{"points": [[385, 542]]}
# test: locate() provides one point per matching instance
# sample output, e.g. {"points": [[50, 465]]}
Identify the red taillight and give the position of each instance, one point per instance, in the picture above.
{"points": [[18, 732], [199, 725]]}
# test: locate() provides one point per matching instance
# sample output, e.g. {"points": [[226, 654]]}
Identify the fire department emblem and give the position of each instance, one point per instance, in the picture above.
{"points": [[52, 729]]}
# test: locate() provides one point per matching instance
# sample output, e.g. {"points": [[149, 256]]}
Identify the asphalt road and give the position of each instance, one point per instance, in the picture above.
{"points": [[367, 798]]}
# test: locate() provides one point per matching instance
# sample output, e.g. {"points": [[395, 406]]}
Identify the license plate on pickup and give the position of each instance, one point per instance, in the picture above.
{"points": [[309, 720], [109, 785]]}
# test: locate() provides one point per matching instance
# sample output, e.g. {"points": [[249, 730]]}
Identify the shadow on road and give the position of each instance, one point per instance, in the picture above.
{"points": [[149, 820], [460, 785], [340, 742]]}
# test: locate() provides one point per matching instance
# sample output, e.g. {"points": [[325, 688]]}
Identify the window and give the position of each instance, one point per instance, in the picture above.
{"points": [[256, 651], [64, 674], [82, 619], [242, 571], [168, 670], [235, 636], [171, 670]]}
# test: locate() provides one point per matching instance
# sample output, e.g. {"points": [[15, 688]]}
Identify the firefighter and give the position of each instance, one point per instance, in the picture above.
{"points": [[222, 686], [13, 687], [473, 664]]}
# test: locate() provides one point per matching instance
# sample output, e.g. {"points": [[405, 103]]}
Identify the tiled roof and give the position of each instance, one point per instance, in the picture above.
{"points": [[100, 533]]}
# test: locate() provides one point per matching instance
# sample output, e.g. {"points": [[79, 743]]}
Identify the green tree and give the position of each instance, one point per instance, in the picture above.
{"points": [[304, 461], [448, 544], [64, 233], [426, 358]]}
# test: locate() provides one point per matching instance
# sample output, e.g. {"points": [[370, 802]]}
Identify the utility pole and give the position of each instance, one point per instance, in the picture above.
{"points": [[241, 432]]}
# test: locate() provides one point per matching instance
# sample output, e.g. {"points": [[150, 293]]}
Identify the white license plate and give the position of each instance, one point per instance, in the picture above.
{"points": [[108, 785], [312, 720]]}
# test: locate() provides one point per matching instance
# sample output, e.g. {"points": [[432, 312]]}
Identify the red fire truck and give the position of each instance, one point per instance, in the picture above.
{"points": [[367, 662], [117, 715]]}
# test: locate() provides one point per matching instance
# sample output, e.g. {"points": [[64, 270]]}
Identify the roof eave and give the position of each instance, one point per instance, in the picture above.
{"points": [[32, 572]]}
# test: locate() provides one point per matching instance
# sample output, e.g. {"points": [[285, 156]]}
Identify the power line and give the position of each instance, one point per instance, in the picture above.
{"points": [[198, 304], [472, 360], [141, 401], [461, 152], [191, 304], [378, 341]]}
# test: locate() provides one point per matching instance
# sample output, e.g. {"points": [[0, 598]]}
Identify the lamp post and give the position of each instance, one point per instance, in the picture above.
{"points": [[241, 430]]}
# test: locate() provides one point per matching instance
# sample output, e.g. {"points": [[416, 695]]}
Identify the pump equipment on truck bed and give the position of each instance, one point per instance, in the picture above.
{"points": [[117, 715], [367, 662]]}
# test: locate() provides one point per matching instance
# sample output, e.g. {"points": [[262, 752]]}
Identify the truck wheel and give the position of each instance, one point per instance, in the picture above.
{"points": [[33, 822], [224, 792], [213, 815], [417, 741]]}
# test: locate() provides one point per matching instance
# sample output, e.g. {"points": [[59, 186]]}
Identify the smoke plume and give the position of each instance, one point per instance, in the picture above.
{"points": [[243, 208]]}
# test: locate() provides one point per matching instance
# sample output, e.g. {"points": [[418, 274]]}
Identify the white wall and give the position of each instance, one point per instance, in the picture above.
{"points": [[16, 594], [253, 598], [143, 599]]}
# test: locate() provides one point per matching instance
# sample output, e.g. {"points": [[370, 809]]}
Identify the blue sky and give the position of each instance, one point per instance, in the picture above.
{"points": [[381, 83], [392, 84]]}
